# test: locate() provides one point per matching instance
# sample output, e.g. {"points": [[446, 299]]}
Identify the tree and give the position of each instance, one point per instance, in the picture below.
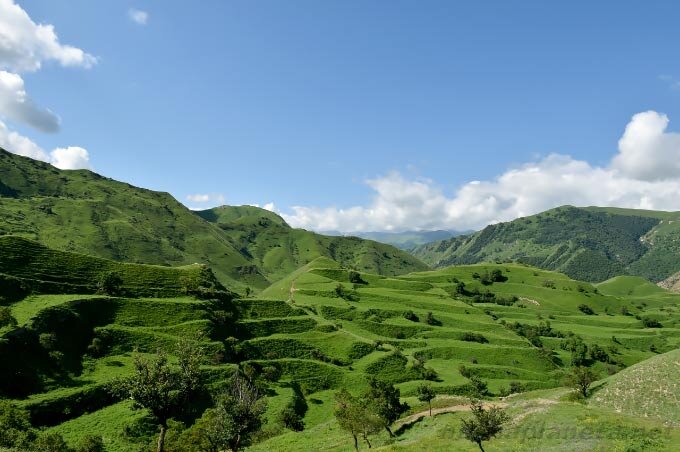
{"points": [[161, 389], [6, 317], [580, 378], [426, 394], [51, 442], [385, 399], [587, 310], [236, 417], [357, 416], [15, 426], [478, 387], [110, 283], [484, 425], [91, 443]]}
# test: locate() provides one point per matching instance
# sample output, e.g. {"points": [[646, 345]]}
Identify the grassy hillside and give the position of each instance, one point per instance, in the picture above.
{"points": [[27, 267], [648, 389], [592, 244], [84, 212], [326, 327], [277, 249]]}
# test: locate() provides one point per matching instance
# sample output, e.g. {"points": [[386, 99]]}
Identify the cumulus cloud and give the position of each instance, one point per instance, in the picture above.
{"points": [[647, 151], [72, 157], [19, 144], [643, 174], [24, 45], [137, 16], [17, 106], [203, 198]]}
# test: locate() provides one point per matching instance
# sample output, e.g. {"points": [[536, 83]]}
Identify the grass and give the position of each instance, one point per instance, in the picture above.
{"points": [[84, 212], [591, 244], [324, 342]]}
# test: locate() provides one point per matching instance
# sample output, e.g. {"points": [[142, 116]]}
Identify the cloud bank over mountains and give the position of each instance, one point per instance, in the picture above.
{"points": [[644, 174], [24, 47]]}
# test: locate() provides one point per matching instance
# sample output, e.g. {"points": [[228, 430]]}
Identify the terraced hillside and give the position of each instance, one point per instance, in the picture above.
{"points": [[84, 212], [591, 244], [28, 267], [325, 327]]}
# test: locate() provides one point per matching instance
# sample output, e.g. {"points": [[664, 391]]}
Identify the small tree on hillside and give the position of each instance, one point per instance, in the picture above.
{"points": [[161, 389], [6, 317], [238, 415], [385, 398], [356, 416], [110, 283], [426, 394], [484, 425], [580, 378]]}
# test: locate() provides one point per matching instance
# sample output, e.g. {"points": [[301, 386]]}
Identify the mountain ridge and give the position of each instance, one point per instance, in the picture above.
{"points": [[82, 211], [591, 243]]}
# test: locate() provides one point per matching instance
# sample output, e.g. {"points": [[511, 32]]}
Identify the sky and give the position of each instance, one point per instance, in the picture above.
{"points": [[354, 116]]}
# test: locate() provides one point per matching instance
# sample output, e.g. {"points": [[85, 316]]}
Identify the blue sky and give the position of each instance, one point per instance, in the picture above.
{"points": [[301, 103]]}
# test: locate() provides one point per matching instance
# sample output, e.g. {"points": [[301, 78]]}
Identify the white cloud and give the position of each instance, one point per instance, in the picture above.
{"points": [[17, 106], [18, 144], [137, 16], [644, 174], [646, 150], [203, 198], [72, 157], [24, 45]]}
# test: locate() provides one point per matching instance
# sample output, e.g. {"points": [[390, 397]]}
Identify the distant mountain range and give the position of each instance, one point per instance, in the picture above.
{"points": [[591, 244], [404, 240], [84, 212]]}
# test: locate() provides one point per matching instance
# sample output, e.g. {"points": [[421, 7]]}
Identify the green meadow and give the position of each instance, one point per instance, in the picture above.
{"points": [[325, 327]]}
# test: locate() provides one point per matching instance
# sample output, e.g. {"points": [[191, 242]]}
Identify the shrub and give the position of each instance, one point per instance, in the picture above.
{"points": [[549, 283], [289, 419], [587, 310], [649, 322], [6, 317], [91, 443], [410, 315], [110, 283], [355, 277], [474, 337]]}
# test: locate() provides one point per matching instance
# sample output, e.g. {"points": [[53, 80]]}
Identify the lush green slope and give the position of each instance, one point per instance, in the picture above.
{"points": [[648, 389], [28, 267], [277, 249], [592, 244], [440, 327], [87, 213]]}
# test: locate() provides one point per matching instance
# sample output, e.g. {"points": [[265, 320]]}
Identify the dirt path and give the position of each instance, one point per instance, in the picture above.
{"points": [[447, 409]]}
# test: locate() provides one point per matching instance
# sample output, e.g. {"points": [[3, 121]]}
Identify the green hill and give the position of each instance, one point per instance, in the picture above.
{"points": [[277, 249], [27, 267], [81, 211], [591, 244], [650, 388]]}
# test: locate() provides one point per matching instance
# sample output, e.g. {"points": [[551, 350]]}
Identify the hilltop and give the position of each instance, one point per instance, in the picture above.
{"points": [[81, 211], [277, 249], [591, 244]]}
